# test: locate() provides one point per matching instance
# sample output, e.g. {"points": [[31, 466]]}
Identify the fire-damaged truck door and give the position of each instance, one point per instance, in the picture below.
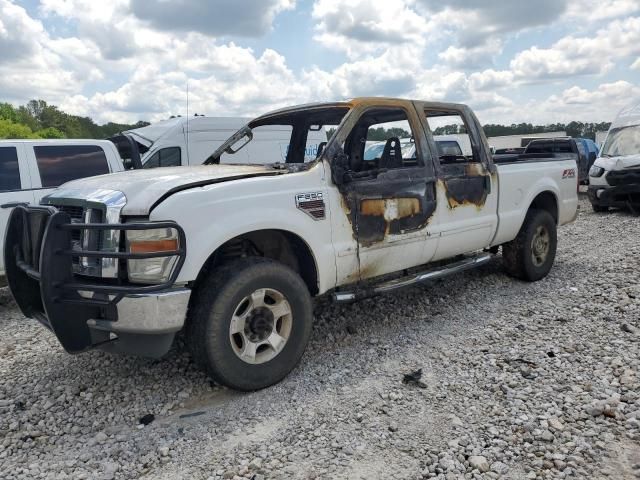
{"points": [[389, 191], [467, 190]]}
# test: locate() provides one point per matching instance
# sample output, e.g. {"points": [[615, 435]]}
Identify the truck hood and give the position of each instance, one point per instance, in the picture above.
{"points": [[144, 189], [618, 163]]}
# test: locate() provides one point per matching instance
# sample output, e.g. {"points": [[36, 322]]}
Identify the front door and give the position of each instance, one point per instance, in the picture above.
{"points": [[389, 192], [467, 190]]}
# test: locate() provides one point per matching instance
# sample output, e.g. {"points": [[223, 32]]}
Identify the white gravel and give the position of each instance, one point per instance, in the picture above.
{"points": [[521, 381]]}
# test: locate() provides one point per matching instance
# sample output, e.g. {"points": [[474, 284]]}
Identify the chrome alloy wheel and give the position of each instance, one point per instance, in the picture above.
{"points": [[540, 245], [260, 326]]}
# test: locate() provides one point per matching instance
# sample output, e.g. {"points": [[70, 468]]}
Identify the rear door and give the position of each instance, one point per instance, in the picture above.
{"points": [[467, 192], [15, 185]]}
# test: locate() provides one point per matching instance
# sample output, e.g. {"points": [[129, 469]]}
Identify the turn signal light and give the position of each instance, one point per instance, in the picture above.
{"points": [[153, 246]]}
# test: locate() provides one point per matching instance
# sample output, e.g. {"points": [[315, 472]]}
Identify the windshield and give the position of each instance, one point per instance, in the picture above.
{"points": [[293, 136], [622, 141]]}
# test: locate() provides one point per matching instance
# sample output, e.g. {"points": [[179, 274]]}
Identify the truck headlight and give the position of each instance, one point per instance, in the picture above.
{"points": [[596, 171], [154, 269]]}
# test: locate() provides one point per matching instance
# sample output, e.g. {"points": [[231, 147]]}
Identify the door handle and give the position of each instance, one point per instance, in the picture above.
{"points": [[14, 204], [487, 183]]}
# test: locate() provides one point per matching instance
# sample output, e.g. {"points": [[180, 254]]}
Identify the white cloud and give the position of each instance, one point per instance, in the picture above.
{"points": [[247, 18], [360, 27], [477, 23], [472, 58], [594, 10], [118, 66], [490, 79], [105, 24], [572, 56], [577, 103], [30, 64]]}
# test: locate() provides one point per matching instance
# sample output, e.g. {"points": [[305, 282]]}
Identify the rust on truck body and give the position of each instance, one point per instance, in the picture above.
{"points": [[396, 208], [465, 184]]}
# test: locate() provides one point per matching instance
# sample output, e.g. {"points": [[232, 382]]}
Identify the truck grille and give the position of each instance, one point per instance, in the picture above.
{"points": [[623, 177], [77, 216], [84, 239]]}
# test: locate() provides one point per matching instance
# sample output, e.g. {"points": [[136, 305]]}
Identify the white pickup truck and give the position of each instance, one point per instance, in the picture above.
{"points": [[233, 254], [30, 169]]}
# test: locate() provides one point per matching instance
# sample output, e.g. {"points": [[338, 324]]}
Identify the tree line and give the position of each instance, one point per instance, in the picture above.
{"points": [[37, 119], [573, 129]]}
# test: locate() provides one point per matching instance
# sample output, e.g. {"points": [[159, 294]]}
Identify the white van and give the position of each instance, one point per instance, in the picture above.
{"points": [[614, 178], [30, 169], [191, 140]]}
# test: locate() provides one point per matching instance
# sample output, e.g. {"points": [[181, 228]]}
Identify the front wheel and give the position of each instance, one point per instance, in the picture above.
{"points": [[250, 323], [531, 254]]}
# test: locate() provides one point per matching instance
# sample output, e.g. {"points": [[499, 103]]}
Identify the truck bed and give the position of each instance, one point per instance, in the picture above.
{"points": [[522, 179], [532, 157]]}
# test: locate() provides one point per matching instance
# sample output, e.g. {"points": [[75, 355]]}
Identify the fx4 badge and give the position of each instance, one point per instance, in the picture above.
{"points": [[569, 173], [312, 204]]}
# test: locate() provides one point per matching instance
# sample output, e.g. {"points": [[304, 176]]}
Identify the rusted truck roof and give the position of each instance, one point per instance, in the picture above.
{"points": [[358, 102]]}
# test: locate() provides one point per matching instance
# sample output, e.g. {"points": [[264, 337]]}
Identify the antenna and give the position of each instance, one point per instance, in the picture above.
{"points": [[188, 162]]}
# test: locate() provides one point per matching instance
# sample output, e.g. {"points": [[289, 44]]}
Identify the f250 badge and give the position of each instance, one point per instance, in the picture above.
{"points": [[312, 204], [569, 173]]}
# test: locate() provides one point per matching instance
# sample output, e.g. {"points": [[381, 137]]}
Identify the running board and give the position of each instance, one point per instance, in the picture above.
{"points": [[398, 283]]}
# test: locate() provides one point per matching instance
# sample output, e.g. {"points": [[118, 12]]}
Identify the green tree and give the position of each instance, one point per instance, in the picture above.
{"points": [[49, 132], [9, 129], [7, 112]]}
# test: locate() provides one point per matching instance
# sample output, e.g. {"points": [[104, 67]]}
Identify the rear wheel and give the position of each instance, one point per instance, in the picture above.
{"points": [[250, 323], [531, 254]]}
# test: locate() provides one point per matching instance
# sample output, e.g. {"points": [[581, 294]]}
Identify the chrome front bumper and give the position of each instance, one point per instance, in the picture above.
{"points": [[148, 313]]}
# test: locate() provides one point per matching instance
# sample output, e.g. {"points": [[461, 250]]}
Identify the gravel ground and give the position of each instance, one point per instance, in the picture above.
{"points": [[520, 381]]}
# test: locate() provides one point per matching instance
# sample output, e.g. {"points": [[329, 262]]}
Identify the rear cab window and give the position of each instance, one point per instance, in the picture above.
{"points": [[58, 164], [9, 169]]}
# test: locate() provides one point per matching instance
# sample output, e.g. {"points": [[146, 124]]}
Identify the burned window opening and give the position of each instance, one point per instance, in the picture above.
{"points": [[463, 177], [300, 120]]}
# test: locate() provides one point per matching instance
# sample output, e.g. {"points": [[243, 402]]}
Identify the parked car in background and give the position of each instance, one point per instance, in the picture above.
{"points": [[509, 151], [581, 147], [615, 175], [30, 169], [182, 141], [233, 254], [592, 149], [407, 145]]}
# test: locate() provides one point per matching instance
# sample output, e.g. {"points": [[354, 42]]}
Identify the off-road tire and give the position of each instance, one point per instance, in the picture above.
{"points": [[517, 254], [599, 208], [213, 305]]}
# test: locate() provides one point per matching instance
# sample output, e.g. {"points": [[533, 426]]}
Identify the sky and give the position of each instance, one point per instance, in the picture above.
{"points": [[512, 61]]}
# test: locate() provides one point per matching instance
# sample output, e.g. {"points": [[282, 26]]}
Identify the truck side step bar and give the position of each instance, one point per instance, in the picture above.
{"points": [[403, 282]]}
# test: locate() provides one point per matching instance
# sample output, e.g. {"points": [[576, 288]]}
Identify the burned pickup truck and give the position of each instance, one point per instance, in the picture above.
{"points": [[233, 254]]}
